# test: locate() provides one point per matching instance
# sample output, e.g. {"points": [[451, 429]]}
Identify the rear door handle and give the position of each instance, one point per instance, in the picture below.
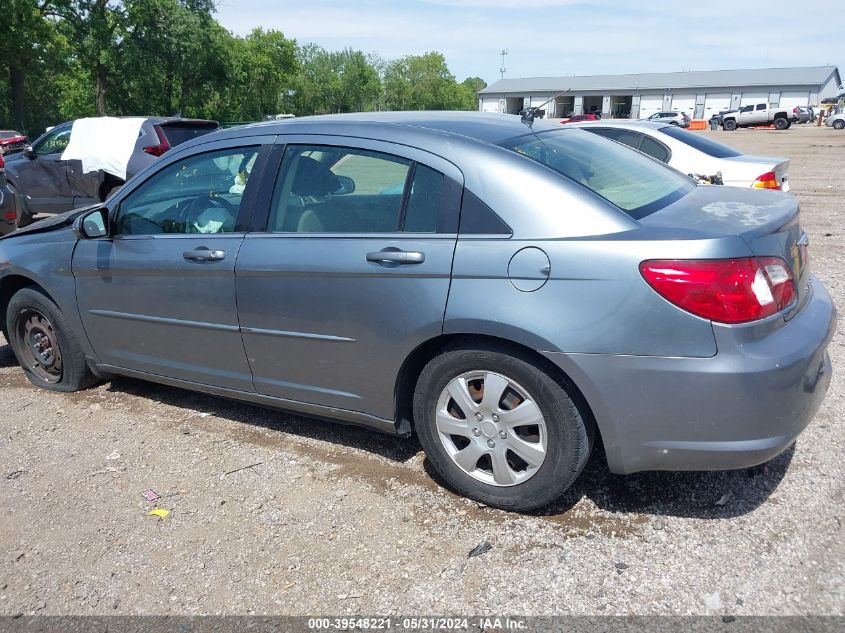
{"points": [[204, 254], [393, 256]]}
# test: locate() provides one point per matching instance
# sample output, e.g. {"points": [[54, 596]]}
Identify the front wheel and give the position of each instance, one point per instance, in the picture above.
{"points": [[498, 429], [45, 346], [839, 124], [729, 125]]}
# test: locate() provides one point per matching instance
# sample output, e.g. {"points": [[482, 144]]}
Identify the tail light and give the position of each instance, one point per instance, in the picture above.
{"points": [[163, 145], [2, 162], [725, 290], [11, 216], [769, 180]]}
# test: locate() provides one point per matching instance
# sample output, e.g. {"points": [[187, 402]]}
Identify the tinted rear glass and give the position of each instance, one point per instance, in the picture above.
{"points": [[700, 142], [8, 133], [177, 134], [633, 182]]}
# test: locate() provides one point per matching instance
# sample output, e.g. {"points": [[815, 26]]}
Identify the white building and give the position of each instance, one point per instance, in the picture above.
{"points": [[698, 93]]}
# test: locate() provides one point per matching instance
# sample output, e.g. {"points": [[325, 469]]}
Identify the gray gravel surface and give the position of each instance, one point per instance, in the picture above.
{"points": [[273, 513]]}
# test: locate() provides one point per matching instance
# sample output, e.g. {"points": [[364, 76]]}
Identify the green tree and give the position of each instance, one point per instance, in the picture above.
{"points": [[330, 82], [94, 30], [423, 82], [28, 49]]}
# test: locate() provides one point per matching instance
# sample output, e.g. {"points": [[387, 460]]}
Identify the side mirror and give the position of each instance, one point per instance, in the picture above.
{"points": [[347, 185], [29, 152], [91, 225]]}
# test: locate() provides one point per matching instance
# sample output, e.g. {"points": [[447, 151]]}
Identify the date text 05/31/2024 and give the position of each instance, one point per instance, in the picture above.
{"points": [[417, 624]]}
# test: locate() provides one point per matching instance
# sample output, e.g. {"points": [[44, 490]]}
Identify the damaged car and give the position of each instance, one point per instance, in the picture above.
{"points": [[82, 162], [528, 289]]}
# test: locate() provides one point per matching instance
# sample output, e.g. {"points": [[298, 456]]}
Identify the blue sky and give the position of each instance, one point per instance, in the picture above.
{"points": [[557, 37]]}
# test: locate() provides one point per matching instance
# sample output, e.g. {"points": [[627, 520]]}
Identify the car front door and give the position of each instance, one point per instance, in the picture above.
{"points": [[42, 174], [158, 295], [351, 270]]}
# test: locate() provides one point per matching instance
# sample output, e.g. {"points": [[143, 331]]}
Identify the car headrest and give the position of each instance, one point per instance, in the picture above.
{"points": [[313, 178]]}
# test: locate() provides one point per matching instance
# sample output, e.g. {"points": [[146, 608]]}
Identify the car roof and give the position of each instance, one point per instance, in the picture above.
{"points": [[480, 126], [622, 123]]}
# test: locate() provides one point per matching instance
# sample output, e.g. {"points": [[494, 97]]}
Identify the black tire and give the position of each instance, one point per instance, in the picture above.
{"points": [[72, 373], [729, 125], [782, 124], [110, 188], [569, 434], [675, 123], [839, 124]]}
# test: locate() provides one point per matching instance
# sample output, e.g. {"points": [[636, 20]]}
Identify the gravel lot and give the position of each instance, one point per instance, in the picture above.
{"points": [[276, 514]]}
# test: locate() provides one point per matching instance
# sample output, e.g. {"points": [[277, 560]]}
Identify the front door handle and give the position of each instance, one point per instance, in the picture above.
{"points": [[203, 254], [396, 257]]}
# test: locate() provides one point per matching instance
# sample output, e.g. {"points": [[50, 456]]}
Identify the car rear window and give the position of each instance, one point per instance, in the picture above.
{"points": [[635, 183], [700, 142], [8, 133], [178, 133]]}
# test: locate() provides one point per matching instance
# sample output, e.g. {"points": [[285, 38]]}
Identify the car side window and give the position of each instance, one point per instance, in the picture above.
{"points": [[323, 189], [626, 137], [762, 106], [655, 149], [196, 194], [54, 143], [747, 109]]}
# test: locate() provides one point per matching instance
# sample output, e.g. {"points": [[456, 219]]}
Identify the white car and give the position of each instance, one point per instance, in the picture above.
{"points": [[696, 154], [836, 121]]}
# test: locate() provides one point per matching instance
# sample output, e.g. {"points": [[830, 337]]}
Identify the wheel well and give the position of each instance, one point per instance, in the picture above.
{"points": [[9, 285], [409, 373], [107, 184]]}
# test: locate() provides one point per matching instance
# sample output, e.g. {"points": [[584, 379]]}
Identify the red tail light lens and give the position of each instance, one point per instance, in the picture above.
{"points": [[10, 215], [163, 145], [724, 290], [769, 180], [2, 162]]}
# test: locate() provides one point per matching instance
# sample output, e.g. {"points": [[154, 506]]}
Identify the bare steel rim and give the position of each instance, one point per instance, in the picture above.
{"points": [[492, 428], [39, 345]]}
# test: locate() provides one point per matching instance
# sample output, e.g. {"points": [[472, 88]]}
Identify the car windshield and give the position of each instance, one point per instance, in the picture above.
{"points": [[701, 143], [631, 181], [8, 133], [178, 133]]}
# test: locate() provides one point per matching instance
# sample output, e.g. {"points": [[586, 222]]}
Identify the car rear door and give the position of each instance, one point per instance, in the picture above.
{"points": [[348, 270], [158, 295]]}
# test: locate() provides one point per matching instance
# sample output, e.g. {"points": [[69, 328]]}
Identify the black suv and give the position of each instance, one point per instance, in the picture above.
{"points": [[47, 184]]}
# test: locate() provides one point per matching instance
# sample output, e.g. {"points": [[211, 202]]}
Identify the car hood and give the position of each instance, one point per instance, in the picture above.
{"points": [[53, 223]]}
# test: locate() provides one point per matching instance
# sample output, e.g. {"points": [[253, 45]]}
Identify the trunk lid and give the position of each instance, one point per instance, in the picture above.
{"points": [[767, 221], [747, 168]]}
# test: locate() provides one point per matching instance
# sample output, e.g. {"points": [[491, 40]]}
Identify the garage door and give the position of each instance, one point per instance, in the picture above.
{"points": [[715, 102], [649, 104], [490, 105], [684, 103], [791, 99], [753, 98]]}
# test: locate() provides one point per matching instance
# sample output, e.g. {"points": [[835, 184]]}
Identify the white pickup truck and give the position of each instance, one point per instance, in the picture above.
{"points": [[760, 114]]}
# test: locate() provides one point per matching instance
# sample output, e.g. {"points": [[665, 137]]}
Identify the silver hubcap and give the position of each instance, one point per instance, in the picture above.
{"points": [[491, 428]]}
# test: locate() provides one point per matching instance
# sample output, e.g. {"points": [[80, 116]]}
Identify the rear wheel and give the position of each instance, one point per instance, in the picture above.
{"points": [[44, 344], [729, 125], [498, 429], [782, 123], [839, 124]]}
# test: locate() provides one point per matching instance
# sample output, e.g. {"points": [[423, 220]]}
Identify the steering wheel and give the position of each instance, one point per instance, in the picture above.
{"points": [[203, 202]]}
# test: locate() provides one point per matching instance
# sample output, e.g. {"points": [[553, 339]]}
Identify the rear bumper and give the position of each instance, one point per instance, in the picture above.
{"points": [[737, 409]]}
